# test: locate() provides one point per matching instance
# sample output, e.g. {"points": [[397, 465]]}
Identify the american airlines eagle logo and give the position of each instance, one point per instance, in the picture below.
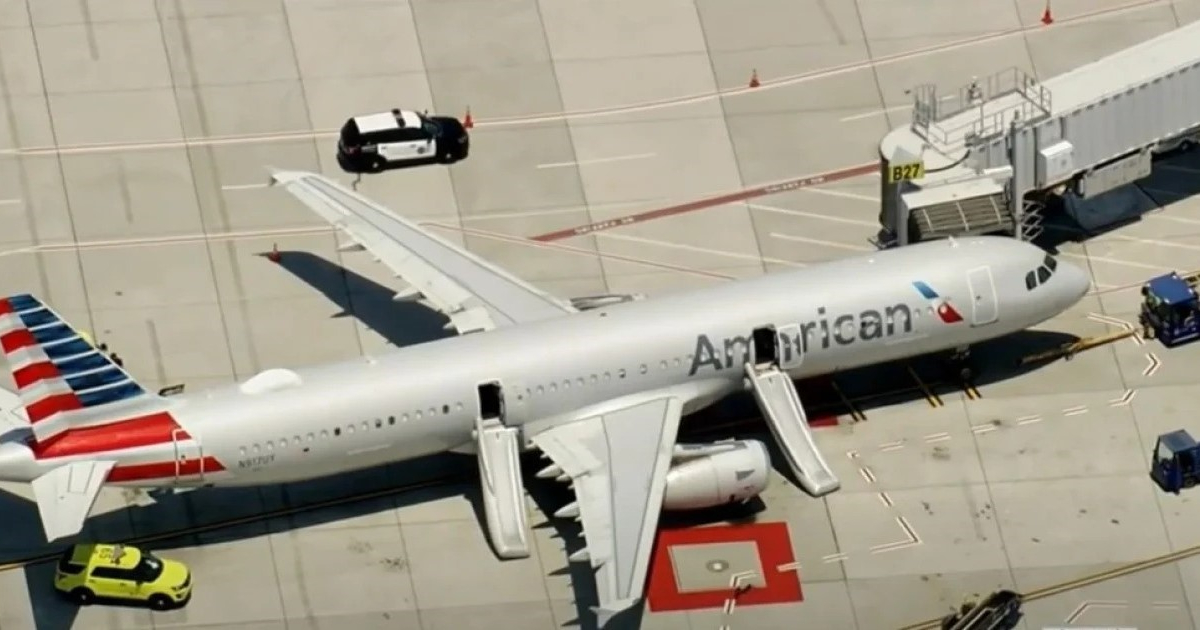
{"points": [[947, 313]]}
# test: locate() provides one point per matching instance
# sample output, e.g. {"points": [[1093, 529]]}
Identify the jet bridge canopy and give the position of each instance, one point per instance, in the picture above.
{"points": [[1086, 131]]}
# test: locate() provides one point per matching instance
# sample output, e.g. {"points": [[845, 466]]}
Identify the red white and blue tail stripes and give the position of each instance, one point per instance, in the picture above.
{"points": [[56, 370]]}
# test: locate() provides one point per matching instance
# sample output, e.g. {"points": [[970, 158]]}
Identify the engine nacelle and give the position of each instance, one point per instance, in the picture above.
{"points": [[590, 302], [717, 474]]}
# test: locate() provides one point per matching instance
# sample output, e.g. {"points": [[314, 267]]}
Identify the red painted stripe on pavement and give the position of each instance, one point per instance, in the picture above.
{"points": [[34, 373], [148, 430], [5, 307], [51, 405], [163, 470], [17, 339], [719, 200]]}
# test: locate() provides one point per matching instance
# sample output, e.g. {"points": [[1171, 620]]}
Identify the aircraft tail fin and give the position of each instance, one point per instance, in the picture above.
{"points": [[65, 496], [59, 373]]}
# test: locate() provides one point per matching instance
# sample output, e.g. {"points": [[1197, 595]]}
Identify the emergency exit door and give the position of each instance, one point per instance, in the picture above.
{"points": [[984, 307]]}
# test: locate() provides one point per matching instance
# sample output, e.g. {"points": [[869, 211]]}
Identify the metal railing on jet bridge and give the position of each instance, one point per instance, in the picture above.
{"points": [[780, 404]]}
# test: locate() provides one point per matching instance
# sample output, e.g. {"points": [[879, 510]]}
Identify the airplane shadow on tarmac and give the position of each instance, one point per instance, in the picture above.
{"points": [[1071, 219], [221, 515]]}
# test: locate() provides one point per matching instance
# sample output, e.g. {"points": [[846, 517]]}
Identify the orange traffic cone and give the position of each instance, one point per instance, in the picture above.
{"points": [[467, 121], [754, 79], [273, 255], [1047, 17]]}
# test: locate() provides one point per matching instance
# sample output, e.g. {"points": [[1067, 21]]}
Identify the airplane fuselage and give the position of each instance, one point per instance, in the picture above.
{"points": [[287, 425]]}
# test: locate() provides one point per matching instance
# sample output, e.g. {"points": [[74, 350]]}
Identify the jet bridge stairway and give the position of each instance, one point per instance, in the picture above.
{"points": [[780, 405]]}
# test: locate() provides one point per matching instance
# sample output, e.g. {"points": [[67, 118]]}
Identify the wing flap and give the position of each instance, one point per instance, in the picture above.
{"points": [[65, 496], [618, 461], [474, 293]]}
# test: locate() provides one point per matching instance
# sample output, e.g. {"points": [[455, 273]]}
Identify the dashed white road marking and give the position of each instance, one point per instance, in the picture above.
{"points": [[1075, 411], [607, 160], [983, 428], [834, 557], [891, 446], [1114, 261], [910, 538], [886, 500], [789, 566], [879, 112], [1028, 420], [244, 186], [841, 193], [699, 250], [937, 437], [867, 474], [9, 202], [1153, 364], [1124, 400]]}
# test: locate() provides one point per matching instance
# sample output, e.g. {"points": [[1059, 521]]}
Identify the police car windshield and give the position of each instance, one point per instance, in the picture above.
{"points": [[431, 127]]}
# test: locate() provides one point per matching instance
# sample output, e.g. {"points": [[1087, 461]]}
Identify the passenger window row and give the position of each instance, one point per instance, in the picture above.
{"points": [[1041, 274], [271, 445], [595, 379]]}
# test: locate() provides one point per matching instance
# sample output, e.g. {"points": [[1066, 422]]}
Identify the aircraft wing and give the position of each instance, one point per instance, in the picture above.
{"points": [[475, 294], [618, 462]]}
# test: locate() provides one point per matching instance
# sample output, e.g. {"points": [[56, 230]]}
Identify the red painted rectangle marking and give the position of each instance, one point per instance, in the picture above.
{"points": [[163, 470], [17, 339], [774, 546], [5, 307], [820, 422], [156, 428], [34, 373], [51, 405]]}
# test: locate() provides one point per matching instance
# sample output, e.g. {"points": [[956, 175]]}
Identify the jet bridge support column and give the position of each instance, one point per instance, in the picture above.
{"points": [[1022, 148], [780, 404]]}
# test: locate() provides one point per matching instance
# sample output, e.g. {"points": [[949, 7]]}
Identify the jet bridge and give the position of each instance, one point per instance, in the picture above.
{"points": [[771, 353], [982, 160]]}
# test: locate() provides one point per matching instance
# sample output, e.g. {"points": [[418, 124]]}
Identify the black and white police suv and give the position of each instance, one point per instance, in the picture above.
{"points": [[378, 142]]}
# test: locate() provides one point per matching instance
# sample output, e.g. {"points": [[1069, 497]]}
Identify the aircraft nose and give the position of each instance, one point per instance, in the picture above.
{"points": [[1075, 281]]}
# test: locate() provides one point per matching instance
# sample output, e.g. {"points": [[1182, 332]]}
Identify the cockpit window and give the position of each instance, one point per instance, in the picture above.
{"points": [[1030, 281], [1043, 274], [1050, 263]]}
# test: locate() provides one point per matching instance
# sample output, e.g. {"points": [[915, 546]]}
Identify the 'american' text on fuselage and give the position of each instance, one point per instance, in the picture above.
{"points": [[845, 329]]}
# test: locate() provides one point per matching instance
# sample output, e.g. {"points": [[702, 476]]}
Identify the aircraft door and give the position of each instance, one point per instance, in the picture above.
{"points": [[984, 306], [189, 457], [790, 346]]}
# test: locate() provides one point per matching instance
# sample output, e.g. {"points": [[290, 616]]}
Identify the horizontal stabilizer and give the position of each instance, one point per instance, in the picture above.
{"points": [[66, 494], [57, 369]]}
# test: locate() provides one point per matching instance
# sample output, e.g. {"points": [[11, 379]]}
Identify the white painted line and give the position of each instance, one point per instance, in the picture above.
{"points": [[524, 214], [1169, 217], [1164, 604], [852, 454], [1154, 364], [937, 437], [885, 499], [789, 566], [879, 112], [1124, 400], [812, 215], [697, 249], [1075, 411], [244, 186], [983, 428], [817, 241], [842, 193], [834, 557], [736, 580], [1149, 241], [729, 603], [891, 446], [1114, 261], [1105, 319], [607, 160], [867, 474], [1028, 420], [1082, 608], [9, 202]]}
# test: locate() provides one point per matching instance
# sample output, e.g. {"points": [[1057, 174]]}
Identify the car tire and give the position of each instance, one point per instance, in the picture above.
{"points": [[159, 602], [447, 158], [376, 166], [83, 596]]}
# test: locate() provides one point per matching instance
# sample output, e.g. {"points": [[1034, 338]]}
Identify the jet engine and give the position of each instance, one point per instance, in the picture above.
{"points": [[590, 302], [710, 475]]}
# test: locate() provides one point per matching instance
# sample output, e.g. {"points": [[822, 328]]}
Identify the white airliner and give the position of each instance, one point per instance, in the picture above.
{"points": [[598, 385]]}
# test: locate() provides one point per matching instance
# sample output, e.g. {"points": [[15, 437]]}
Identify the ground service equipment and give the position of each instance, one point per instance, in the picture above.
{"points": [[1170, 309], [999, 611], [1175, 458]]}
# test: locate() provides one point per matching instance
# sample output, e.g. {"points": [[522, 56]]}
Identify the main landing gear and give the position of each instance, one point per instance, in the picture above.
{"points": [[960, 364]]}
